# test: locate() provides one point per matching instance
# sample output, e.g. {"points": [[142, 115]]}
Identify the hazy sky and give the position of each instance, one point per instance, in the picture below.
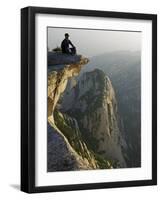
{"points": [[94, 42]]}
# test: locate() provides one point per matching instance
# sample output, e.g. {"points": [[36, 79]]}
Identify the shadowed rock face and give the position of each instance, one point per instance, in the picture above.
{"points": [[57, 148], [61, 156], [62, 59], [57, 81]]}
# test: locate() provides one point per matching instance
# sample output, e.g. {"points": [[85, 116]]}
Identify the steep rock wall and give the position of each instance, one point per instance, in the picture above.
{"points": [[92, 102], [63, 153]]}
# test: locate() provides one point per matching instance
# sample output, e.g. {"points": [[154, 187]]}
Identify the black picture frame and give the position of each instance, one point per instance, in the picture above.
{"points": [[28, 98]]}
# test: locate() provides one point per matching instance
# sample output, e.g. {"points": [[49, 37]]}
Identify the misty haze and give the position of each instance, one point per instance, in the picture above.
{"points": [[94, 99], [96, 42]]}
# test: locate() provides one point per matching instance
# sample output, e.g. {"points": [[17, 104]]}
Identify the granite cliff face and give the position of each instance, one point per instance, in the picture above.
{"points": [[93, 103], [83, 132]]}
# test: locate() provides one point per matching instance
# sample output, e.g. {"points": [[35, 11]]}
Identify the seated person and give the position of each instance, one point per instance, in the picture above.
{"points": [[65, 45]]}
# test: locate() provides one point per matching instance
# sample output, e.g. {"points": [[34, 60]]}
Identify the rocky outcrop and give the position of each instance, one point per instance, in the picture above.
{"points": [[57, 80], [62, 59], [66, 148]]}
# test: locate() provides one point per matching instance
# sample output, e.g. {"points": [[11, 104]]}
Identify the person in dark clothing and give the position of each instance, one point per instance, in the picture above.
{"points": [[65, 45]]}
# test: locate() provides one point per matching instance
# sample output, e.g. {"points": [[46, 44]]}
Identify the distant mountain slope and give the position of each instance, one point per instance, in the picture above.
{"points": [[124, 70]]}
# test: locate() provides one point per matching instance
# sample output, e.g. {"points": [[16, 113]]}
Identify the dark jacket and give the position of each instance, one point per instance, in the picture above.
{"points": [[65, 45]]}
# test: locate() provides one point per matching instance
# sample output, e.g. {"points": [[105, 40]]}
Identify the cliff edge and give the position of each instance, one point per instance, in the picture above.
{"points": [[61, 154], [59, 74], [82, 119]]}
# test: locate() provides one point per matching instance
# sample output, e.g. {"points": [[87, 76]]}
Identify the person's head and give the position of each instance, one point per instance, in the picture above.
{"points": [[66, 35]]}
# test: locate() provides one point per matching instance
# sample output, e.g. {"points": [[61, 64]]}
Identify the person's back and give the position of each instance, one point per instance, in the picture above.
{"points": [[65, 45]]}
